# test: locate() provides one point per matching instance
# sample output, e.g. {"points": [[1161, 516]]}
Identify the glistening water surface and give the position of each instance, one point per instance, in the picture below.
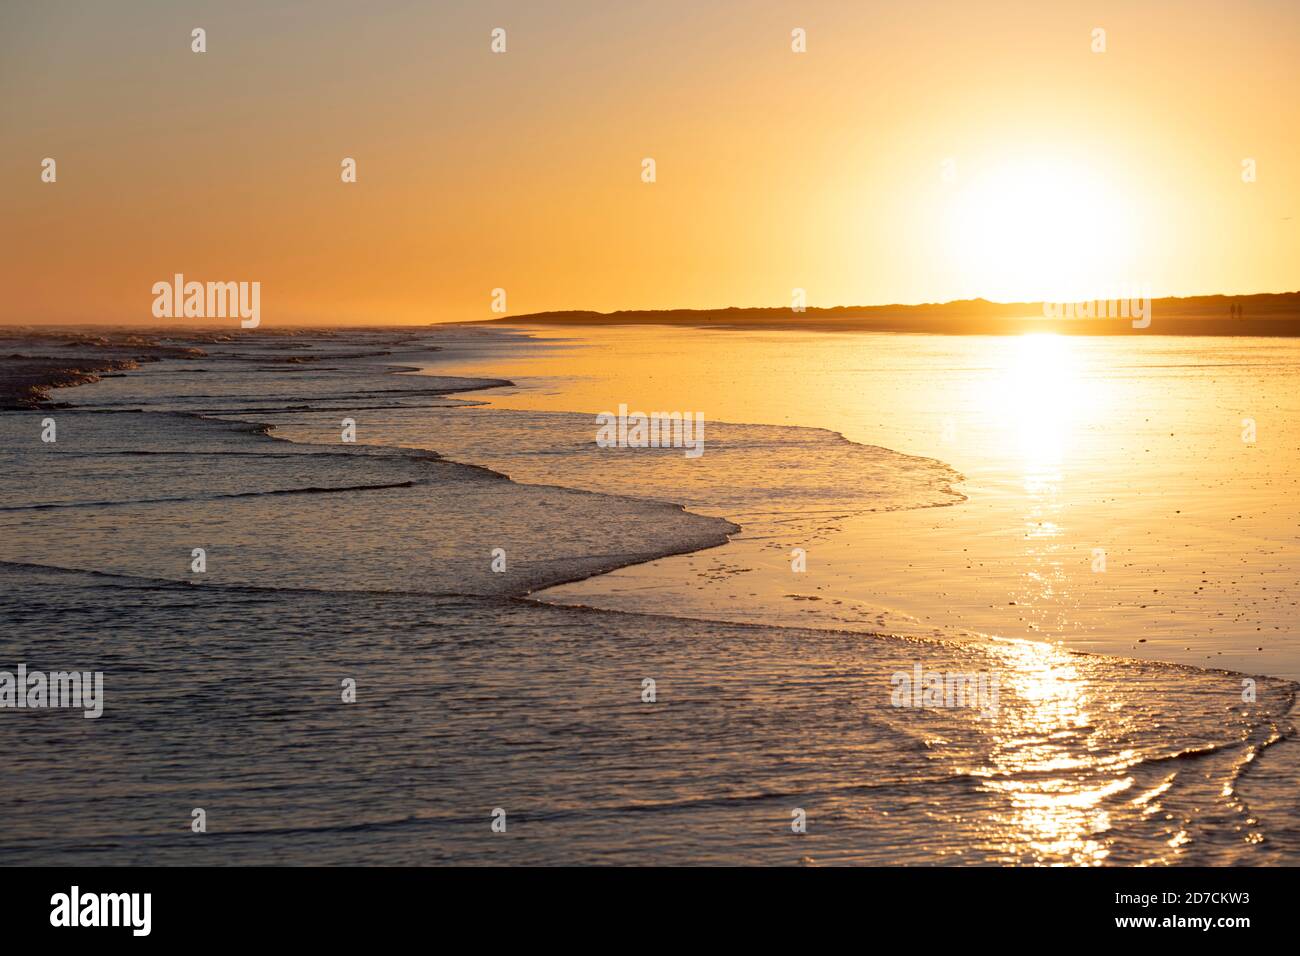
{"points": [[372, 562], [1131, 495]]}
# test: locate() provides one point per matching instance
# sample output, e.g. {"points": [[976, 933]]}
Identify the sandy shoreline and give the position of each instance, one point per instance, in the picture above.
{"points": [[35, 361], [727, 683]]}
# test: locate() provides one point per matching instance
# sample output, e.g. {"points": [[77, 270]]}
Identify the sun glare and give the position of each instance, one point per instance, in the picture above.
{"points": [[1038, 395], [1040, 230]]}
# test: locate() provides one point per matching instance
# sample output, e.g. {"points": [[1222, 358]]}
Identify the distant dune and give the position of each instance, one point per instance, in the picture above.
{"points": [[1261, 314]]}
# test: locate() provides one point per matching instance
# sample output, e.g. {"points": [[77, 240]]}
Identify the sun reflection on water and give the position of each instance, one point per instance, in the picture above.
{"points": [[1035, 403], [1038, 392], [1041, 763]]}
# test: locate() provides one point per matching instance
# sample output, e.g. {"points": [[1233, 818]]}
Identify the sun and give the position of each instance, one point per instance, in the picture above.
{"points": [[1036, 229]]}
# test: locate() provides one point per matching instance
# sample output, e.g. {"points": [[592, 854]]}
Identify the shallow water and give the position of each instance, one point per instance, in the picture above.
{"points": [[372, 561], [228, 699], [1068, 446]]}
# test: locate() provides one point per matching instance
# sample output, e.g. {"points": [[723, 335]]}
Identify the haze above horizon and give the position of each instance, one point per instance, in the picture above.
{"points": [[923, 154]]}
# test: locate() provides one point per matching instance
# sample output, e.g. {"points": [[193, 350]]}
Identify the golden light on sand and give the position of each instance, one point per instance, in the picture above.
{"points": [[1037, 396]]}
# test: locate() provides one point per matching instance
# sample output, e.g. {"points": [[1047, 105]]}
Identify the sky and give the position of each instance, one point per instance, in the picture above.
{"points": [[916, 152]]}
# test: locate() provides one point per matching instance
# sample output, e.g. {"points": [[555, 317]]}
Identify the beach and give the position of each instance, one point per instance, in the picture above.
{"points": [[1064, 447], [499, 590]]}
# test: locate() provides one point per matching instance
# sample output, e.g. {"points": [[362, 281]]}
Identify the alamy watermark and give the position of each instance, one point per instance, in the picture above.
{"points": [[655, 430], [76, 908], [37, 690], [1130, 304], [921, 689], [211, 300]]}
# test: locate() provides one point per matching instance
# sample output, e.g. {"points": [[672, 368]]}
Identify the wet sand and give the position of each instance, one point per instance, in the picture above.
{"points": [[371, 561], [1065, 447]]}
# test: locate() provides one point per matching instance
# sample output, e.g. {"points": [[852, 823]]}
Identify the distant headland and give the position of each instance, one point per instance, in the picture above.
{"points": [[1275, 314]]}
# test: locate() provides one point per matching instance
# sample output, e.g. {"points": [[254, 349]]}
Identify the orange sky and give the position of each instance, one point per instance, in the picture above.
{"points": [[1073, 171]]}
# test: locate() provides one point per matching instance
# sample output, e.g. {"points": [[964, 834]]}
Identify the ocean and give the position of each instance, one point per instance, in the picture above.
{"points": [[472, 635]]}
